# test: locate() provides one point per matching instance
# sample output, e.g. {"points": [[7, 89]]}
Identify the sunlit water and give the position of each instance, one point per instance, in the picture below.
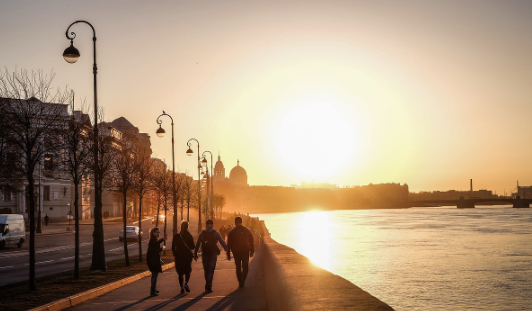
{"points": [[421, 258]]}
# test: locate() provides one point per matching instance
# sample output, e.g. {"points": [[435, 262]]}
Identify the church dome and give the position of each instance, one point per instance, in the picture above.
{"points": [[238, 175], [219, 165]]}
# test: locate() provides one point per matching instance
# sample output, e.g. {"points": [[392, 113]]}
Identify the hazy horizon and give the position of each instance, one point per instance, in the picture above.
{"points": [[431, 94]]}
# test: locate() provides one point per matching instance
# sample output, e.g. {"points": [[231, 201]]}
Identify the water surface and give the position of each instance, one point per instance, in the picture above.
{"points": [[421, 258]]}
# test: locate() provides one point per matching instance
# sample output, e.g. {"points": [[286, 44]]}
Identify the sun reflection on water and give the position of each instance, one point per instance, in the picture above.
{"points": [[314, 233]]}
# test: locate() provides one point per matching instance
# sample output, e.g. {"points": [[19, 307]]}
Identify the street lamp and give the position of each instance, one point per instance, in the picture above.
{"points": [[71, 55], [160, 132], [210, 200], [47, 157], [189, 153]]}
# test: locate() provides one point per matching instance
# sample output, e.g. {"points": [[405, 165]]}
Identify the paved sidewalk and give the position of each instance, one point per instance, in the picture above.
{"points": [[226, 294]]}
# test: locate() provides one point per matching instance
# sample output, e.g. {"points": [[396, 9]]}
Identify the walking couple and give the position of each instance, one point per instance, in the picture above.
{"points": [[240, 242]]}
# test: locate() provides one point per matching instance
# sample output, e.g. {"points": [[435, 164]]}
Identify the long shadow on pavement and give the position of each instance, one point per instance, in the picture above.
{"points": [[175, 298], [187, 304], [132, 304]]}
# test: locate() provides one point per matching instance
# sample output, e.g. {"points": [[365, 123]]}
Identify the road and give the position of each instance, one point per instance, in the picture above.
{"points": [[55, 252]]}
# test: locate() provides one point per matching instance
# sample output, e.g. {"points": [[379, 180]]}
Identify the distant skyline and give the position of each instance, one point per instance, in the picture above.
{"points": [[428, 93]]}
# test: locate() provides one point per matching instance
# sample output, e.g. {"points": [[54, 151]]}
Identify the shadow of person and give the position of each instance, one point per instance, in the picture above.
{"points": [[187, 304], [167, 302], [132, 304]]}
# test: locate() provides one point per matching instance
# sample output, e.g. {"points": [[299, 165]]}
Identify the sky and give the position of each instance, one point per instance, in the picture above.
{"points": [[427, 93]]}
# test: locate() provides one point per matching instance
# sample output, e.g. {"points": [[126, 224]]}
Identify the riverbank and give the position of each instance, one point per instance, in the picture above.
{"points": [[293, 282]]}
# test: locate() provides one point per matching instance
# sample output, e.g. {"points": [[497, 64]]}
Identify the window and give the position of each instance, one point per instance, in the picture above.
{"points": [[7, 195], [46, 194]]}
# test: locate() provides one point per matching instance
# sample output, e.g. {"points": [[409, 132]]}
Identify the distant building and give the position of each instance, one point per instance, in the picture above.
{"points": [[243, 198], [451, 195], [524, 192]]}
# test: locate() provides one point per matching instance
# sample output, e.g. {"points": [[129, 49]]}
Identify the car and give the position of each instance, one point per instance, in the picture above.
{"points": [[12, 230], [132, 233], [161, 219]]}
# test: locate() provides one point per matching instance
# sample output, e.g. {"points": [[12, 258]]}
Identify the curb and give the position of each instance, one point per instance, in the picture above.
{"points": [[74, 300]]}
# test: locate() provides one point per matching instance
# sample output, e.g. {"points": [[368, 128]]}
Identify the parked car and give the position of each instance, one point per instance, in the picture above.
{"points": [[132, 233], [161, 219], [12, 230]]}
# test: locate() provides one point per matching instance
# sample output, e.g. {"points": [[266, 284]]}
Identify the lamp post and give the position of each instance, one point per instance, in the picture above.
{"points": [[205, 175], [160, 132], [210, 202], [71, 55], [47, 157], [189, 153]]}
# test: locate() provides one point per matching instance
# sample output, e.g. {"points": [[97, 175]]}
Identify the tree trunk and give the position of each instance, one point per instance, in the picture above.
{"points": [[98, 250], [140, 228], [31, 193], [188, 210], [124, 216], [158, 211], [182, 211], [165, 210], [76, 227]]}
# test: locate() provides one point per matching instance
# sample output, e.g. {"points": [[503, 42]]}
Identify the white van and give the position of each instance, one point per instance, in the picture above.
{"points": [[12, 230]]}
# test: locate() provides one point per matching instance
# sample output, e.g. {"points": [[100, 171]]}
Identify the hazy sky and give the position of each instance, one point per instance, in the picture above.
{"points": [[428, 93]]}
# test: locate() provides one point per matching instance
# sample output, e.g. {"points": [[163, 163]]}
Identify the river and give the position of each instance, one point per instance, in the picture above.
{"points": [[421, 258]]}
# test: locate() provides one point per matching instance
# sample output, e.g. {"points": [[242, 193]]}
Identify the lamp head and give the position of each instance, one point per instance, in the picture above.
{"points": [[47, 157], [204, 161], [71, 54], [160, 131], [189, 151]]}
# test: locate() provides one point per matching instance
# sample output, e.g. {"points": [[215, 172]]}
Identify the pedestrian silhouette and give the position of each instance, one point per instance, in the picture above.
{"points": [[208, 240], [240, 242], [153, 258], [182, 246]]}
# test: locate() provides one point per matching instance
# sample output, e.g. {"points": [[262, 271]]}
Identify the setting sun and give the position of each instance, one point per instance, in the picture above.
{"points": [[314, 136]]}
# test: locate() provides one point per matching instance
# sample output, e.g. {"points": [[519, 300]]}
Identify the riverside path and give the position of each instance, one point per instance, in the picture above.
{"points": [[226, 294]]}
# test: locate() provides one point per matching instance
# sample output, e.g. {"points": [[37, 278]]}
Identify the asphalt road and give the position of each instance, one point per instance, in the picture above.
{"points": [[55, 252]]}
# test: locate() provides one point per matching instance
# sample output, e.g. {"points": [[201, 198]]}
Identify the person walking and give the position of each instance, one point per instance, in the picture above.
{"points": [[153, 258], [208, 240], [46, 219], [182, 246], [240, 242], [223, 232]]}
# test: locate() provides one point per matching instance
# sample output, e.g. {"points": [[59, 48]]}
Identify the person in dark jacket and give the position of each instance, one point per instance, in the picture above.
{"points": [[208, 240], [240, 241], [153, 258], [182, 246]]}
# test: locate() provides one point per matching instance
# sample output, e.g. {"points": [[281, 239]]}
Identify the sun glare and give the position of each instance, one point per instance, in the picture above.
{"points": [[315, 137]]}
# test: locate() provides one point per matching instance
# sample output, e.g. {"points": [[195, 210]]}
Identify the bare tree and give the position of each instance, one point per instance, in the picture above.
{"points": [[141, 183], [5, 169], [189, 193], [76, 140], [178, 193], [34, 113], [121, 180], [108, 141], [218, 205], [161, 184]]}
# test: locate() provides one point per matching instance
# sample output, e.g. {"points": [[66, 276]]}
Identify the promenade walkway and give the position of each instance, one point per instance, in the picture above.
{"points": [[226, 294]]}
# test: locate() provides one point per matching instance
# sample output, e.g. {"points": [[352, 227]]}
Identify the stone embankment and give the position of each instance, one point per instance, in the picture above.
{"points": [[293, 282]]}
